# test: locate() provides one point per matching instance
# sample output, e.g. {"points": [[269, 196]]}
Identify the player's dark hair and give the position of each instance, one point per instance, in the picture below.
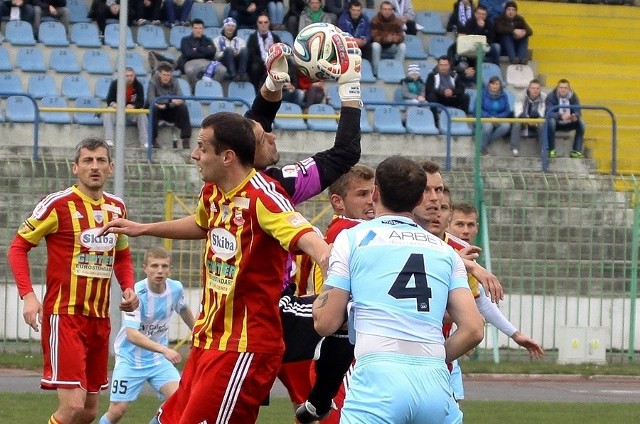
{"points": [[155, 252], [357, 171], [164, 67], [234, 132], [445, 190], [91, 143], [430, 167], [401, 183], [465, 208]]}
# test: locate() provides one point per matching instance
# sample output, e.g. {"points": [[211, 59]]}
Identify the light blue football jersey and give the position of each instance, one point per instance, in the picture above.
{"points": [[151, 319], [399, 276]]}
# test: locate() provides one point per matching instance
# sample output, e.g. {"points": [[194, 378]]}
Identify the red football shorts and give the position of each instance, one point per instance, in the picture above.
{"points": [[76, 351], [295, 377], [221, 387]]}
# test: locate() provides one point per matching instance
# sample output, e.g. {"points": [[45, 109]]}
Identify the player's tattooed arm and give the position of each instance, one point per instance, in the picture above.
{"points": [[329, 310]]}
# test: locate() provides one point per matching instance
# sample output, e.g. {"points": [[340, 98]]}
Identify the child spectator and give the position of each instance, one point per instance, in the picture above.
{"points": [[412, 85]]}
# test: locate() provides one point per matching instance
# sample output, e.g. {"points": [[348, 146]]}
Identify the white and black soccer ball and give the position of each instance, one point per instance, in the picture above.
{"points": [[313, 43]]}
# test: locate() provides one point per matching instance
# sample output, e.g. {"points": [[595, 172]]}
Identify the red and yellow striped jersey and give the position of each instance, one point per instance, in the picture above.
{"points": [[79, 263], [250, 230], [459, 244]]}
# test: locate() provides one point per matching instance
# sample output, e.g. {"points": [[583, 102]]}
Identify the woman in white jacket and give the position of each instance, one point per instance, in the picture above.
{"points": [[231, 50]]}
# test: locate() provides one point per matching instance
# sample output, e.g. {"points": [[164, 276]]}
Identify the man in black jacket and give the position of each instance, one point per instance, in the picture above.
{"points": [[258, 46], [198, 51], [134, 99], [445, 87]]}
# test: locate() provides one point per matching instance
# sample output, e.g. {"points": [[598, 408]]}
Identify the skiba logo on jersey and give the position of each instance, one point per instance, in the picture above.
{"points": [[91, 241], [223, 243]]}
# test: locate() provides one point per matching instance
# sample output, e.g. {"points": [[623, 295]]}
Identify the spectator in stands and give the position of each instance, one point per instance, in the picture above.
{"points": [[292, 18], [24, 6], [258, 46], [56, 9], [101, 10], [480, 25], [495, 104], [163, 83], [335, 9], [314, 92], [494, 7], [387, 36], [514, 33], [412, 85], [403, 9], [147, 11], [177, 12], [134, 99], [198, 51], [275, 8], [445, 87], [529, 104], [462, 13], [565, 119], [231, 50], [246, 12], [357, 24], [312, 14]]}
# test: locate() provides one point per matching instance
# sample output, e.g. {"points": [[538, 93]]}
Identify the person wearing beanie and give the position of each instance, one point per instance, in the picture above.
{"points": [[412, 85], [513, 32], [231, 50]]}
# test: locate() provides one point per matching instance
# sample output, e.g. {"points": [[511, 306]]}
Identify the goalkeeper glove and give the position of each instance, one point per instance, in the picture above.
{"points": [[347, 71], [277, 67]]}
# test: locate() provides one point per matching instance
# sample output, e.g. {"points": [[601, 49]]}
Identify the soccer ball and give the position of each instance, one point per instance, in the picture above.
{"points": [[313, 43]]}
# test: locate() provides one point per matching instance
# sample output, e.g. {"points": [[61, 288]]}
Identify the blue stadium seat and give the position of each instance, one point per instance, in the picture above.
{"points": [[112, 36], [415, 49], [457, 128], [387, 120], [365, 126], [211, 32], [426, 67], [431, 22], [221, 106], [10, 83], [195, 113], [294, 124], [366, 72], [53, 34], [85, 34], [145, 83], [420, 121], [74, 86], [208, 89], [55, 117], [512, 99], [391, 71], [20, 109], [30, 59], [89, 118], [135, 61], [78, 11], [370, 12], [19, 33], [333, 96], [151, 37], [64, 61], [438, 45], [102, 87], [176, 35], [40, 86], [242, 90], [373, 93], [97, 62], [330, 125], [491, 70], [397, 97], [285, 36], [206, 12], [184, 86], [244, 33], [5, 61]]}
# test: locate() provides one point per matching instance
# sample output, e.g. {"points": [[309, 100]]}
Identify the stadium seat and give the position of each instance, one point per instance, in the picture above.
{"points": [[74, 86], [491, 70], [365, 126], [415, 49], [195, 113], [221, 106], [10, 83], [244, 33], [30, 59], [519, 76], [19, 33], [53, 34], [135, 61], [102, 87], [85, 34], [55, 117], [211, 32], [431, 22], [420, 121], [294, 124], [176, 35], [397, 98], [90, 118], [438, 45], [152, 37], [366, 72], [373, 93], [512, 98], [78, 11], [64, 61], [370, 12], [40, 86], [390, 71], [184, 86], [426, 67], [112, 36], [285, 36], [5, 61], [457, 128], [330, 125], [242, 90], [206, 12], [387, 120], [208, 89], [145, 83], [97, 62], [19, 109], [333, 96], [471, 92]]}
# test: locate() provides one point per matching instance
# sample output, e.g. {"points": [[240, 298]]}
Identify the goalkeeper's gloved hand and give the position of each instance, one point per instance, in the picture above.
{"points": [[347, 71], [277, 66]]}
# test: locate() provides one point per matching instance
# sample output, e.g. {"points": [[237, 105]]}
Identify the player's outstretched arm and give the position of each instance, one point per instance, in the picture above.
{"points": [[329, 310], [489, 281], [140, 340], [470, 324], [178, 229], [318, 249], [532, 346], [277, 72]]}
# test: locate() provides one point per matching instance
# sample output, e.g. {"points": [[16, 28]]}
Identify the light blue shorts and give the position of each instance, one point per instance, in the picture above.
{"points": [[126, 382], [456, 381], [398, 389]]}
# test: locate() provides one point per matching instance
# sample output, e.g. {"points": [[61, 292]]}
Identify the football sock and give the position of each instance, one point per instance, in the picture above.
{"points": [[54, 420], [104, 420]]}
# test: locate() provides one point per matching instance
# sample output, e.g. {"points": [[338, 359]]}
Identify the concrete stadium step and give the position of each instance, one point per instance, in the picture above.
{"points": [[583, 55], [586, 32], [571, 41], [587, 11]]}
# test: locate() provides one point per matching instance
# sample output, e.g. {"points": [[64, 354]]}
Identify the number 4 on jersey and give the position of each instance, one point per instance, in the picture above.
{"points": [[421, 292]]}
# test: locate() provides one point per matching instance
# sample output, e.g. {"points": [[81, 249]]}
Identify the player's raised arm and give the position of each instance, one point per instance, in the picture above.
{"points": [[177, 229]]}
